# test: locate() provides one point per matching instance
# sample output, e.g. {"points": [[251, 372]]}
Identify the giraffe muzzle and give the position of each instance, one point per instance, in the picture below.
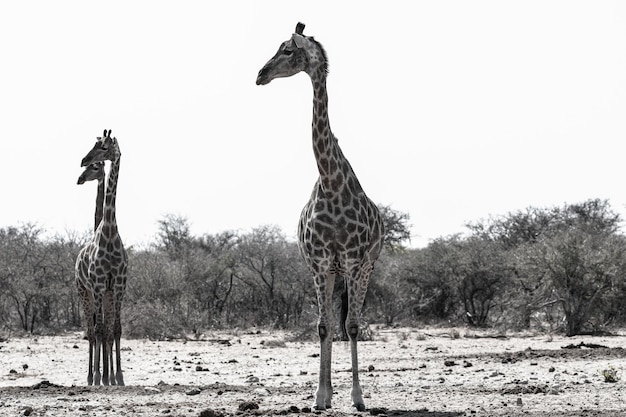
{"points": [[262, 78]]}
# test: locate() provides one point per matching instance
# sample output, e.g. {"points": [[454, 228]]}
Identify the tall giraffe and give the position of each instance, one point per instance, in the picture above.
{"points": [[108, 265], [340, 231], [85, 288]]}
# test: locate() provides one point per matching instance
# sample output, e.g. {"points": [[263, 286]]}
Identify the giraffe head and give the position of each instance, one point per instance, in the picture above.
{"points": [[94, 171], [105, 149], [298, 53]]}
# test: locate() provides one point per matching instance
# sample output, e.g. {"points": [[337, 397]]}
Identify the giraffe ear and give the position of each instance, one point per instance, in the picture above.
{"points": [[298, 40]]}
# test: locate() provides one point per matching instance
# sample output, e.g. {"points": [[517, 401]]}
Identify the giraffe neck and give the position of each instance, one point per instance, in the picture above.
{"points": [[334, 169], [99, 204], [111, 193]]}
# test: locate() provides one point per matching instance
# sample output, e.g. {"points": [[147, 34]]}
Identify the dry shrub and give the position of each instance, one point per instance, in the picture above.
{"points": [[151, 320]]}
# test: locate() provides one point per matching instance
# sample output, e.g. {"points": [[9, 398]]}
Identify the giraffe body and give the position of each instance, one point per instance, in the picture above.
{"points": [[107, 270], [340, 232]]}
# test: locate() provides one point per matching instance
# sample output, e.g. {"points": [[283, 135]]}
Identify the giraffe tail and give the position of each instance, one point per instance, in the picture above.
{"points": [[344, 313]]}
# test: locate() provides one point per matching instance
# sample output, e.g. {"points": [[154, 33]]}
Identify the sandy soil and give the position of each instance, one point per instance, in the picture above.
{"points": [[404, 372]]}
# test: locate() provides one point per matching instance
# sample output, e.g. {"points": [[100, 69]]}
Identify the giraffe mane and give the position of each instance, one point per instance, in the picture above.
{"points": [[324, 56]]}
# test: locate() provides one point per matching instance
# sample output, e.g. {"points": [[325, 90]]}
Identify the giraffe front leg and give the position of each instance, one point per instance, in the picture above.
{"points": [[90, 319], [117, 334], [324, 393], [99, 340], [324, 287], [109, 321], [357, 288], [91, 337]]}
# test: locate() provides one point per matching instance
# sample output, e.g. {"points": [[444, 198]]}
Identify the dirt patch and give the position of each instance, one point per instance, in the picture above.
{"points": [[403, 373]]}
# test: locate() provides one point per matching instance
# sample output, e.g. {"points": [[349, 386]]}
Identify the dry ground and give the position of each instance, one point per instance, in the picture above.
{"points": [[404, 372]]}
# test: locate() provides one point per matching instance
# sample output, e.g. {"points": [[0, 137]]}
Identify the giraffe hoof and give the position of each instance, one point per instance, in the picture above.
{"points": [[359, 407]]}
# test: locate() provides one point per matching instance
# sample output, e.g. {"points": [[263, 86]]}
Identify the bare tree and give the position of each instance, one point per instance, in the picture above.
{"points": [[276, 279]]}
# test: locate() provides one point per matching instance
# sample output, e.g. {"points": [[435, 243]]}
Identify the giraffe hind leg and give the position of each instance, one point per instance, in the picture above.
{"points": [[344, 313], [119, 376], [112, 380], [96, 358]]}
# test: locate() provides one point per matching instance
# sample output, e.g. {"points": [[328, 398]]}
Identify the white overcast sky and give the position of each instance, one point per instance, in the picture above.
{"points": [[451, 111]]}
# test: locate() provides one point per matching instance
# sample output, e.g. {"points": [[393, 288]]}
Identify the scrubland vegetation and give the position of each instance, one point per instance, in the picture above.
{"points": [[558, 269]]}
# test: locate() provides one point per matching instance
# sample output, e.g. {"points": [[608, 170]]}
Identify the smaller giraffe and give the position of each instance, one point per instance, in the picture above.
{"points": [[95, 172], [108, 264], [85, 288]]}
